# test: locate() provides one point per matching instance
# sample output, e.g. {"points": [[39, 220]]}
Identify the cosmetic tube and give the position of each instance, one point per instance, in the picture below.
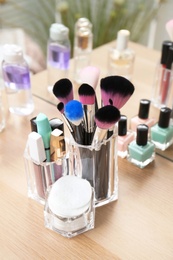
{"points": [[141, 151], [121, 58], [124, 137], [162, 77], [58, 53], [69, 208], [83, 44], [143, 116], [162, 132]]}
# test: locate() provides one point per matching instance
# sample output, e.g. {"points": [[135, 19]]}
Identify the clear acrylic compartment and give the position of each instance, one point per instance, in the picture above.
{"points": [[41, 177]]}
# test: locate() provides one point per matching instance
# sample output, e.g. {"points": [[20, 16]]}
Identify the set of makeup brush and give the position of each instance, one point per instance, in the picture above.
{"points": [[88, 123]]}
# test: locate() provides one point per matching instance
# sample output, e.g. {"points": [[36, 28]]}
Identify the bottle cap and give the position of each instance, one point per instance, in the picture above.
{"points": [[83, 23], [169, 58], [144, 108], [58, 32], [165, 49], [122, 126], [164, 117], [142, 134], [122, 39], [12, 53]]}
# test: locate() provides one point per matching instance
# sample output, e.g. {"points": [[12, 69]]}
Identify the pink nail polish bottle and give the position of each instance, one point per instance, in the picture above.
{"points": [[143, 116], [124, 137]]}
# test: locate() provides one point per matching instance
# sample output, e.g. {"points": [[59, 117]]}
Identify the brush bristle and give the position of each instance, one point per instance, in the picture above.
{"points": [[86, 94], [74, 111], [116, 90], [60, 107], [63, 90], [90, 75], [107, 116]]}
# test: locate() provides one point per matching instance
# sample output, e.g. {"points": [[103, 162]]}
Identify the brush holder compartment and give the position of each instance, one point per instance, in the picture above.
{"points": [[98, 165], [41, 176]]}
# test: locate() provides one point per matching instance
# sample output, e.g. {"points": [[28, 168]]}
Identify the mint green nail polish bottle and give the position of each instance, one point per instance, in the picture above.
{"points": [[141, 151], [162, 133]]}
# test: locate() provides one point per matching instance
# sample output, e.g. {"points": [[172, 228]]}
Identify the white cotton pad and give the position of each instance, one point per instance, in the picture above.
{"points": [[70, 196]]}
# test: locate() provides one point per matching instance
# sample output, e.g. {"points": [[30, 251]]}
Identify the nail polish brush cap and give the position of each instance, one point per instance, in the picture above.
{"points": [[164, 117], [142, 134], [144, 108], [122, 126], [169, 58], [165, 49]]}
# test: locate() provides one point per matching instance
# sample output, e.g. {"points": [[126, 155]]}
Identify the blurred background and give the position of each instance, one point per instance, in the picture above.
{"points": [[27, 22]]}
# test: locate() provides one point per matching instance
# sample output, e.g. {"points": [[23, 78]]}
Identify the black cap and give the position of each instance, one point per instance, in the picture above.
{"points": [[165, 49], [144, 108], [164, 117], [33, 124], [122, 126], [142, 134], [169, 58]]}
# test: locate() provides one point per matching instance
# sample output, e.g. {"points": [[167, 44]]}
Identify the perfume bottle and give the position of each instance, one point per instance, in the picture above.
{"points": [[143, 116], [121, 58], [141, 151], [162, 132], [124, 137], [16, 75], [83, 44], [58, 53], [163, 77]]}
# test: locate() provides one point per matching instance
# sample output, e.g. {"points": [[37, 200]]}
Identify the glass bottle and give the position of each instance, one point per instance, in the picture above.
{"points": [[16, 77], [58, 53], [121, 58]]}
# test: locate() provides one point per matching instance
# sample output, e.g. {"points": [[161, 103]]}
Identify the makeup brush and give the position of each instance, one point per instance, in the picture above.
{"points": [[73, 111], [105, 118], [60, 107], [116, 90], [63, 90], [169, 29], [87, 97], [90, 75]]}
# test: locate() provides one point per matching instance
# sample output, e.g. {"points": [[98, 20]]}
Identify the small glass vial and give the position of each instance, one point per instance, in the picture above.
{"points": [[83, 44], [141, 152], [16, 77], [58, 53], [162, 132], [124, 137], [121, 58], [163, 77], [143, 116], [69, 208]]}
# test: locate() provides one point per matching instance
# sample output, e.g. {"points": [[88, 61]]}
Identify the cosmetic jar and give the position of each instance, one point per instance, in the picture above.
{"points": [[69, 206], [42, 175]]}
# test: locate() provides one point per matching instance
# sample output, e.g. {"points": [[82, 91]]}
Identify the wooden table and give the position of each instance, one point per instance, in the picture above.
{"points": [[138, 226]]}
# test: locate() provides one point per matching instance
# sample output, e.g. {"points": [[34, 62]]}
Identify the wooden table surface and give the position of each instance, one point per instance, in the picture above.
{"points": [[138, 226]]}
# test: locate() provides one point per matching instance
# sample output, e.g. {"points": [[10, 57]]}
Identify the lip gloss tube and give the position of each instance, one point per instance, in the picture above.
{"points": [[158, 91]]}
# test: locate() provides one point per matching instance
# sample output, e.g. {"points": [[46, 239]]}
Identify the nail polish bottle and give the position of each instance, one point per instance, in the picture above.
{"points": [[121, 58], [141, 151], [162, 132], [143, 116], [124, 137], [163, 76]]}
